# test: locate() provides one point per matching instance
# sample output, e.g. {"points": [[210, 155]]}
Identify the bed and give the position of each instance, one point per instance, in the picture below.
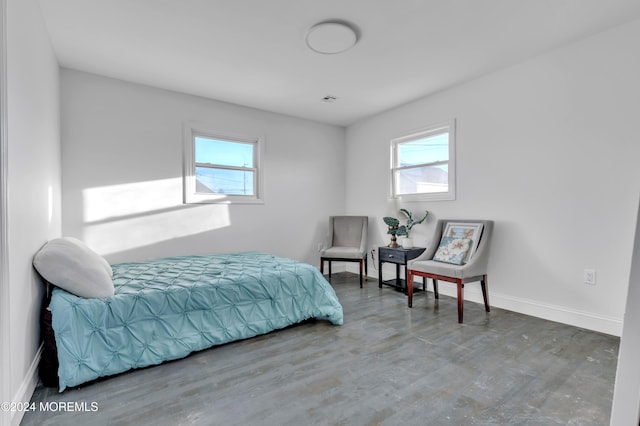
{"points": [[164, 309]]}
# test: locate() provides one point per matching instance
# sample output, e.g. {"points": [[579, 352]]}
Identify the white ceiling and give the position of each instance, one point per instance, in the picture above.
{"points": [[253, 52]]}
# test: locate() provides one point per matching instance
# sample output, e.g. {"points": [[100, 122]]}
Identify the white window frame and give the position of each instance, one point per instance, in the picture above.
{"points": [[450, 194], [193, 130]]}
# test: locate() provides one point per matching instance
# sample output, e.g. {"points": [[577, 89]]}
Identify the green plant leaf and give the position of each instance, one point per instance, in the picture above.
{"points": [[391, 221], [426, 213]]}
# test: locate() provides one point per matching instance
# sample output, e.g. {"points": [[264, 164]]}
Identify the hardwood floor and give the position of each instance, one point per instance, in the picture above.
{"points": [[387, 365]]}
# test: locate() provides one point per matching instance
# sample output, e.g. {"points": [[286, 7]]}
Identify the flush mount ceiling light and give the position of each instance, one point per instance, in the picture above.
{"points": [[331, 37]]}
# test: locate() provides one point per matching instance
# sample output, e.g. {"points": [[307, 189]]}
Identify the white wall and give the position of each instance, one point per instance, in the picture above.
{"points": [[33, 210], [122, 168], [548, 149]]}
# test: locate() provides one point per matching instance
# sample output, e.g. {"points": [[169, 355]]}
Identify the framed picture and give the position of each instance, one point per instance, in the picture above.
{"points": [[472, 231]]}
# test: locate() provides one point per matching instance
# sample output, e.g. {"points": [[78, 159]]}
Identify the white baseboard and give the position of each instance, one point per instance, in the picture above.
{"points": [[28, 386], [473, 293], [576, 318]]}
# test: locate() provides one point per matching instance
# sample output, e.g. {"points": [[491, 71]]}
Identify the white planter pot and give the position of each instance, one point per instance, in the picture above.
{"points": [[407, 243]]}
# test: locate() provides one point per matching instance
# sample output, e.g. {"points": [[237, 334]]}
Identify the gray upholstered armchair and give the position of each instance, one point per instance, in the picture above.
{"points": [[348, 242], [474, 269]]}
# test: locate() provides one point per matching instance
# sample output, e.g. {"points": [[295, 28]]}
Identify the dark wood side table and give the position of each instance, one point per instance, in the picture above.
{"points": [[399, 256]]}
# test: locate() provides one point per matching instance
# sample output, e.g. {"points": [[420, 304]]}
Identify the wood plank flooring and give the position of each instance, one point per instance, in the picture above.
{"points": [[387, 365]]}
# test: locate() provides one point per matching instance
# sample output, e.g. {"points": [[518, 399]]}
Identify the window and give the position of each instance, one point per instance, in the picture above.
{"points": [[423, 164], [220, 168]]}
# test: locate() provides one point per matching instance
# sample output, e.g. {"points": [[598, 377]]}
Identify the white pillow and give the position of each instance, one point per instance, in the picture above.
{"points": [[84, 247], [69, 264]]}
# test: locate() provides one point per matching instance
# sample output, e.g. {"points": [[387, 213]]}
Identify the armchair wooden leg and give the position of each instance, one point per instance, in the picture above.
{"points": [[360, 263], [460, 301], [435, 288], [366, 268], [322, 266], [410, 289], [329, 269], [485, 293]]}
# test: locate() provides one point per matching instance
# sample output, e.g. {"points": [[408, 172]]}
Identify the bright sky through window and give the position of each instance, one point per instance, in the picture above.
{"points": [[425, 150], [212, 151], [224, 167]]}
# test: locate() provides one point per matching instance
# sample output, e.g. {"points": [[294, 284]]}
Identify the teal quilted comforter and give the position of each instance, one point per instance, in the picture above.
{"points": [[165, 309]]}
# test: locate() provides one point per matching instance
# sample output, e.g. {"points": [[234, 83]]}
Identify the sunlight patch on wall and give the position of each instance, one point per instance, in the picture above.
{"points": [[126, 199], [128, 216]]}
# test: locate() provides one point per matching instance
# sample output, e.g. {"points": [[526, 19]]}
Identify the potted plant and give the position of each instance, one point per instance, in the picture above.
{"points": [[395, 229], [393, 225]]}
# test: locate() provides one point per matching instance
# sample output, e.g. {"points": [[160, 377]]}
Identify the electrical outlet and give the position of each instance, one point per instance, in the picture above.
{"points": [[590, 276]]}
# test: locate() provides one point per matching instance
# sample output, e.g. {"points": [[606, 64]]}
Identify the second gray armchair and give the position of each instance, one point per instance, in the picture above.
{"points": [[431, 263]]}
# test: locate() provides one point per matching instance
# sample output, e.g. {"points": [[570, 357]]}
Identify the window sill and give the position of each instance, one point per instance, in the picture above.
{"points": [[221, 199], [442, 196]]}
